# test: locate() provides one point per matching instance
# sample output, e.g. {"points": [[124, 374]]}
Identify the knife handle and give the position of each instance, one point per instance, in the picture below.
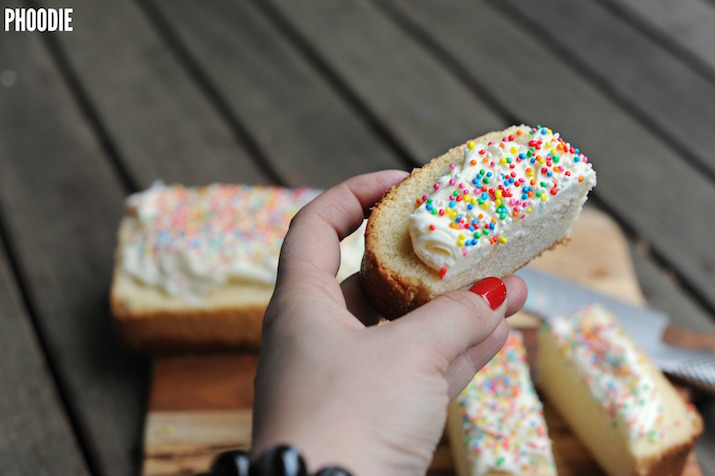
{"points": [[688, 338]]}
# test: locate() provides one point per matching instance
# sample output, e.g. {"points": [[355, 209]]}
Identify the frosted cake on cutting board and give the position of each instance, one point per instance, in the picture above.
{"points": [[196, 266]]}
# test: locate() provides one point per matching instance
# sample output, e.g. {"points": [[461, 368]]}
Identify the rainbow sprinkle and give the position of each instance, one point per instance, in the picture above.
{"points": [[503, 420]]}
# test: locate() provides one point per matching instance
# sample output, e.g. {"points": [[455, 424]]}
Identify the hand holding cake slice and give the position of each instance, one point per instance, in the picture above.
{"points": [[484, 208], [617, 402]]}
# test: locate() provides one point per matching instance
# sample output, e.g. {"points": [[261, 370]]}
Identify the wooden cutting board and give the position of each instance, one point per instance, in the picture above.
{"points": [[200, 404]]}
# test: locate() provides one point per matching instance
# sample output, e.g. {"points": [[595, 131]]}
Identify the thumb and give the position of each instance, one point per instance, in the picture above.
{"points": [[454, 322]]}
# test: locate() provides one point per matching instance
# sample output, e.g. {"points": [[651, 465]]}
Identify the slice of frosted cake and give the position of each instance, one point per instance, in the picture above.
{"points": [[196, 266], [496, 425], [618, 403], [485, 208]]}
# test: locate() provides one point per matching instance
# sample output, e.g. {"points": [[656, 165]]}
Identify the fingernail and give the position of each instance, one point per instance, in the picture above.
{"points": [[492, 290]]}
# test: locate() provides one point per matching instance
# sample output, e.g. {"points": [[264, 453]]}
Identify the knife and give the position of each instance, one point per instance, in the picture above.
{"points": [[550, 296]]}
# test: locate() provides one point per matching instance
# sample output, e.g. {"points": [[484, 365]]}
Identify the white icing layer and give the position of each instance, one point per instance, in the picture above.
{"points": [[479, 202], [188, 241]]}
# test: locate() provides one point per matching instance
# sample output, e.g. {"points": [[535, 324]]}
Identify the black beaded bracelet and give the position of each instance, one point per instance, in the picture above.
{"points": [[279, 460]]}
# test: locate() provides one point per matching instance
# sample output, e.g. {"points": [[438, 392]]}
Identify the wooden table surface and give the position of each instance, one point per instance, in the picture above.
{"points": [[310, 93]]}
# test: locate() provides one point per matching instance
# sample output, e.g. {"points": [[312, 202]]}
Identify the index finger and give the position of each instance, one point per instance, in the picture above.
{"points": [[312, 245]]}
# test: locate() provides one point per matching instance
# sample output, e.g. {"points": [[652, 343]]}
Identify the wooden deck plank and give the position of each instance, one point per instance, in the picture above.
{"points": [[304, 128], [413, 96], [159, 121], [36, 436], [60, 203], [640, 178], [689, 26], [664, 91], [663, 291]]}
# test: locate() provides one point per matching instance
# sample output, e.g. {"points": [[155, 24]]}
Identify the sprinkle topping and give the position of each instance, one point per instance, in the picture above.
{"points": [[474, 204], [504, 426], [616, 371], [188, 241]]}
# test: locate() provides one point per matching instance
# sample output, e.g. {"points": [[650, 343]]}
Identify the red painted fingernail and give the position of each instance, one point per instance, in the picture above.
{"points": [[492, 290]]}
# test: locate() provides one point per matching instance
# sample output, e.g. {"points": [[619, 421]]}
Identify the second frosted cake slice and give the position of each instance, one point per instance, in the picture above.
{"points": [[619, 404], [496, 425]]}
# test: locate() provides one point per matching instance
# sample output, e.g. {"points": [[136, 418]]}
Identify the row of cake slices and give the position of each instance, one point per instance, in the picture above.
{"points": [[619, 405]]}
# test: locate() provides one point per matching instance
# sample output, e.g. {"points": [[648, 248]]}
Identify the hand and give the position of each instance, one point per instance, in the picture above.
{"points": [[372, 399]]}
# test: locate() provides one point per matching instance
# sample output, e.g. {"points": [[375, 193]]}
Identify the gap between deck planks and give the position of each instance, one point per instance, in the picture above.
{"points": [[59, 205], [36, 436]]}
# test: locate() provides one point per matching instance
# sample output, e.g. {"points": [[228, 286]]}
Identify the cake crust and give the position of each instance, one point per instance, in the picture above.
{"points": [[195, 329]]}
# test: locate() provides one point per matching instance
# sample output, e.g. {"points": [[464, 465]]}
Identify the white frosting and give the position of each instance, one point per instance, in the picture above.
{"points": [[188, 241], [477, 204], [617, 373]]}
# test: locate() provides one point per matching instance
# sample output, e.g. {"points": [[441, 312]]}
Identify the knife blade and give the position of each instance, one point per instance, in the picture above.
{"points": [[550, 296]]}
